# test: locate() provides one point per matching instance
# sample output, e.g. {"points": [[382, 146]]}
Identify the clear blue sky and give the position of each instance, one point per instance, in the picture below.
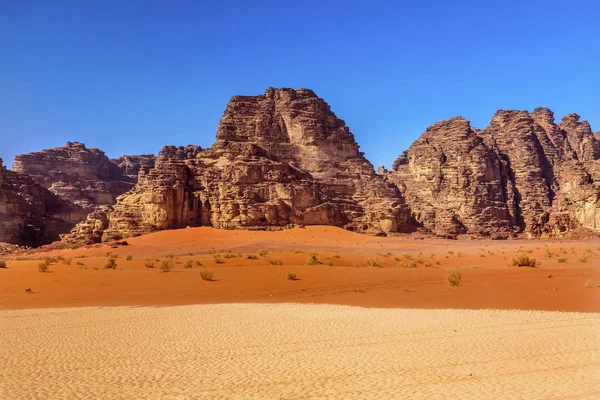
{"points": [[131, 76]]}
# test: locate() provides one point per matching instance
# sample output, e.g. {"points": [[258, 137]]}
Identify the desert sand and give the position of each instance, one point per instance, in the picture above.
{"points": [[297, 351], [363, 322], [343, 275]]}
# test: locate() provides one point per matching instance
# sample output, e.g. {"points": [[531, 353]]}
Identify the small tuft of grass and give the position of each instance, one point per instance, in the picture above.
{"points": [[562, 260], [252, 257], [453, 278], [374, 262], [583, 258], [166, 265], [110, 264], [218, 259], [549, 254], [149, 264], [292, 277], [274, 261], [411, 264], [312, 259], [522, 260], [188, 264], [206, 275]]}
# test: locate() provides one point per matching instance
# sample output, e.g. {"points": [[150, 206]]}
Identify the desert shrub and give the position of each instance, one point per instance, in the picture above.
{"points": [[329, 262], [462, 255], [374, 262], [206, 275], [312, 259], [43, 266], [523, 260], [298, 251], [582, 258], [80, 263], [129, 258], [292, 277], [549, 254], [170, 256], [263, 252], [166, 265], [189, 264], [274, 261], [110, 264], [562, 260], [522, 250], [2, 264], [149, 264], [66, 261], [411, 264], [252, 257], [218, 259], [407, 256], [232, 255], [450, 252], [453, 278], [198, 263]]}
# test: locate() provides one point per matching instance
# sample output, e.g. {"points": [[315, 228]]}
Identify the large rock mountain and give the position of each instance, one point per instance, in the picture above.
{"points": [[281, 158], [523, 174], [30, 214]]}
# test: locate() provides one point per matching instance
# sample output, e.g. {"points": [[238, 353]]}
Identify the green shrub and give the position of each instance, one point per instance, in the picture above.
{"points": [[453, 278]]}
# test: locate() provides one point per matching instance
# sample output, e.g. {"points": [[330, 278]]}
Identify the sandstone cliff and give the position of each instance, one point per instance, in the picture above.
{"points": [[130, 166], [522, 174], [280, 158], [31, 215]]}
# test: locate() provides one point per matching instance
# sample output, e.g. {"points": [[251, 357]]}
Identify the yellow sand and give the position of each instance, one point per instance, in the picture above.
{"points": [[291, 351]]}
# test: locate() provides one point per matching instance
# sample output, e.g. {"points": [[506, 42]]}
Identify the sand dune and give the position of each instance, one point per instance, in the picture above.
{"points": [[291, 351]]}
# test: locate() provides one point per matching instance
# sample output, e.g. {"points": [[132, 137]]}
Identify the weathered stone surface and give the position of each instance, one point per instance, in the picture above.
{"points": [[82, 176], [130, 166], [281, 158], [522, 174], [31, 215]]}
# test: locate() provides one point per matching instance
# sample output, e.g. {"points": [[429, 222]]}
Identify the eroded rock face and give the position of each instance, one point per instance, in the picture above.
{"points": [[30, 214], [82, 176], [281, 158], [130, 166], [523, 174]]}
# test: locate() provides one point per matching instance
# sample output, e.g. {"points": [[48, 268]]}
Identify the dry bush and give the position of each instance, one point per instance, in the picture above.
{"points": [[129, 258], [562, 260], [252, 257], [188, 264], [523, 260], [110, 264], [149, 264], [274, 261], [374, 262], [166, 265], [43, 266], [292, 277], [206, 275], [312, 259], [218, 259], [453, 278], [2, 264]]}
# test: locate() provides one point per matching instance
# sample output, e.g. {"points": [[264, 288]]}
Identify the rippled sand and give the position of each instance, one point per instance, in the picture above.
{"points": [[297, 351]]}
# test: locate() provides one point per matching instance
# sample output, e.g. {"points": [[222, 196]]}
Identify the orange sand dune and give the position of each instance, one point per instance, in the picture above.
{"points": [[342, 277]]}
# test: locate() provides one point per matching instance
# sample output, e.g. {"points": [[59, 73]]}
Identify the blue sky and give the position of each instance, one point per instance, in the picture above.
{"points": [[131, 76]]}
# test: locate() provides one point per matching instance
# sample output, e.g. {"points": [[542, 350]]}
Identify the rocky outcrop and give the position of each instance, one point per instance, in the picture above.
{"points": [[522, 174], [30, 214], [281, 158], [130, 166], [82, 176]]}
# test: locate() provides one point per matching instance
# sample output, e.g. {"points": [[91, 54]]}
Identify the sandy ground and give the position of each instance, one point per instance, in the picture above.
{"points": [[567, 280], [297, 351]]}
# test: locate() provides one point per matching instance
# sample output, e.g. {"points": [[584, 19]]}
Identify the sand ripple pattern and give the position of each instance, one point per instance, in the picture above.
{"points": [[291, 351]]}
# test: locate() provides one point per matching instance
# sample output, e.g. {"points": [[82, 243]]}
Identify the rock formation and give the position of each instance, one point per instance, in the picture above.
{"points": [[82, 176], [130, 166], [281, 158], [31, 215], [522, 174]]}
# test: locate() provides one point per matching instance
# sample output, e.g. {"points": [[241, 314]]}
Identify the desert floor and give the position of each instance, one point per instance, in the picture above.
{"points": [[388, 325], [343, 275]]}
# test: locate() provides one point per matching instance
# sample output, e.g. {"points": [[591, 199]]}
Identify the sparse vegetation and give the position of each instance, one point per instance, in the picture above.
{"points": [[80, 263], [522, 260], [274, 261], [329, 262], [166, 265], [218, 259], [233, 255], [411, 264], [43, 267], [453, 278], [312, 259], [263, 252], [206, 275], [129, 258], [562, 260], [252, 257], [463, 255], [2, 264], [110, 264], [188, 264], [292, 277], [549, 254], [583, 258], [198, 263], [374, 262], [149, 264]]}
